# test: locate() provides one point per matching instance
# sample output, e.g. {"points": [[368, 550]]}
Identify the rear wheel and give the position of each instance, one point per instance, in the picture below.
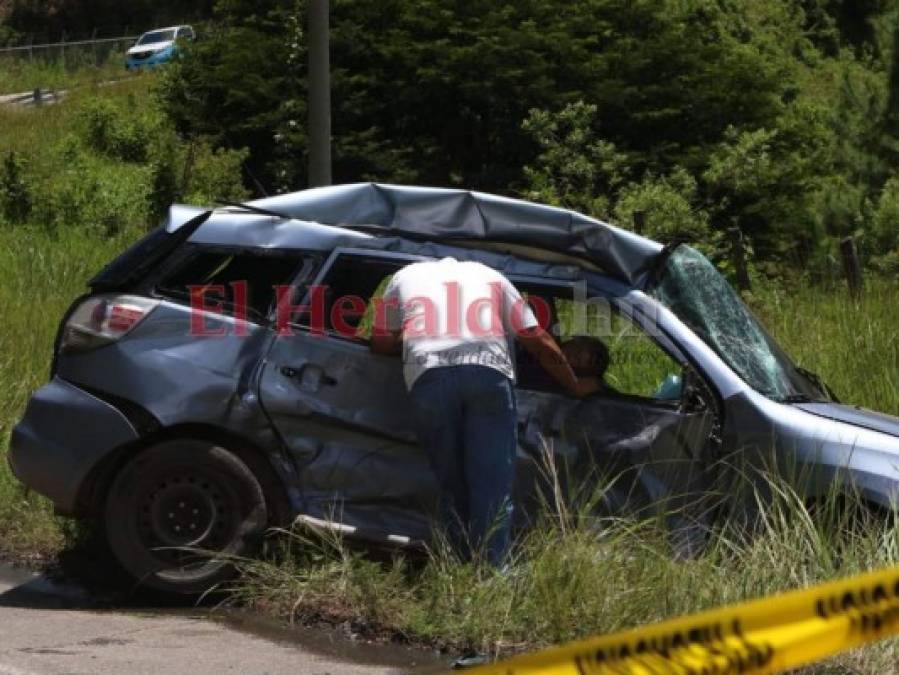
{"points": [[178, 510]]}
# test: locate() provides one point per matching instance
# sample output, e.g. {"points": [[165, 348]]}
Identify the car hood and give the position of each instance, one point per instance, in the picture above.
{"points": [[150, 47], [859, 417]]}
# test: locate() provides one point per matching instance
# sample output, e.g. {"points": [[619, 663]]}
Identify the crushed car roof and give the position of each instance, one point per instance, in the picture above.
{"points": [[448, 214], [436, 214]]}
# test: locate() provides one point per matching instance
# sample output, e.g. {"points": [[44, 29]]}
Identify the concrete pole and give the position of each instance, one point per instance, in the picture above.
{"points": [[319, 94]]}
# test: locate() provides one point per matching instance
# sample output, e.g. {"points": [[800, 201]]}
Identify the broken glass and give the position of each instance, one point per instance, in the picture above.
{"points": [[695, 291]]}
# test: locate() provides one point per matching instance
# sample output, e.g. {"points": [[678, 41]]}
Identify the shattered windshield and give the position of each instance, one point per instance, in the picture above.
{"points": [[157, 36], [692, 288]]}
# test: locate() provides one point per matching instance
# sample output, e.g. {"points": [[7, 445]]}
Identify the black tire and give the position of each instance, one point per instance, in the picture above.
{"points": [[176, 503]]}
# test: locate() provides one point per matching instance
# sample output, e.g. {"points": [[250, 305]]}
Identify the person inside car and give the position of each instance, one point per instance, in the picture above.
{"points": [[455, 321], [589, 357]]}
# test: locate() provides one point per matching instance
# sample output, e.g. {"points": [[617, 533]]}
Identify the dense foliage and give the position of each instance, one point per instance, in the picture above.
{"points": [[52, 20], [106, 161], [779, 117], [776, 117]]}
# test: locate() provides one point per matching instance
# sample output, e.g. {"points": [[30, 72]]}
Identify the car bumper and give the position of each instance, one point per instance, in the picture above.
{"points": [[63, 435], [151, 62]]}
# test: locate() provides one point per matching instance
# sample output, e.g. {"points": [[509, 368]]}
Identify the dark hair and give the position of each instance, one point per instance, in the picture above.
{"points": [[599, 352]]}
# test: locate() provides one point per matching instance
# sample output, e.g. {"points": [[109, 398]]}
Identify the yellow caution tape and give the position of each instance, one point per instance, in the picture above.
{"points": [[763, 636]]}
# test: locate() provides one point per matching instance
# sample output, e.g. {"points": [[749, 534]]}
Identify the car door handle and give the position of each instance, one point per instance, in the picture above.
{"points": [[308, 373], [287, 371]]}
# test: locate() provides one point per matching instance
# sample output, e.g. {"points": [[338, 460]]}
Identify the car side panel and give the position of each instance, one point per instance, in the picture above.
{"points": [[182, 377]]}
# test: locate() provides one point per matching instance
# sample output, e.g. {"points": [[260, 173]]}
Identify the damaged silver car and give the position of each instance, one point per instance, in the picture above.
{"points": [[216, 380]]}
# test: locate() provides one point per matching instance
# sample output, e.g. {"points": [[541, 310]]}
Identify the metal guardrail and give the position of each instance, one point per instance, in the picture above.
{"points": [[39, 96]]}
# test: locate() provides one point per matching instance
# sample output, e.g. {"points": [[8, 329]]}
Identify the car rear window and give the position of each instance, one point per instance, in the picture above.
{"points": [[221, 272]]}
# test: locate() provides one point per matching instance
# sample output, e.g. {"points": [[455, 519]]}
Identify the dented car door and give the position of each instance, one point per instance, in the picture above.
{"points": [[343, 411], [646, 445]]}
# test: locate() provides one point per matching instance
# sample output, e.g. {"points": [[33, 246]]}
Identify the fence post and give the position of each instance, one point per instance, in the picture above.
{"points": [[38, 96], [738, 258], [852, 267], [639, 221], [31, 48]]}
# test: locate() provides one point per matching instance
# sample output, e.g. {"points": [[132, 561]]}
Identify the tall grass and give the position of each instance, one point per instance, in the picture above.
{"points": [[853, 345], [574, 576], [41, 274], [18, 73], [37, 132]]}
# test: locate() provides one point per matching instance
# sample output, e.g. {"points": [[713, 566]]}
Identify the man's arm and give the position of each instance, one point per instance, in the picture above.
{"points": [[541, 344], [519, 319]]}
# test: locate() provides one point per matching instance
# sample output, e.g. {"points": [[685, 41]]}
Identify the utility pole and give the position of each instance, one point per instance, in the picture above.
{"points": [[319, 94]]}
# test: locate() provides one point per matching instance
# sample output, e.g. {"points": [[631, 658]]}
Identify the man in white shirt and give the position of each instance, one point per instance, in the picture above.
{"points": [[456, 322]]}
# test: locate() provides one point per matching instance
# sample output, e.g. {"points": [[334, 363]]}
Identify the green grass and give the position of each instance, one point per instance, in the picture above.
{"points": [[42, 274], [574, 578], [19, 74], [853, 346], [36, 133]]}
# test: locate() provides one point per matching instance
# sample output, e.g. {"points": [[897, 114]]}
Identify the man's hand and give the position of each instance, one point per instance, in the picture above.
{"points": [[586, 386]]}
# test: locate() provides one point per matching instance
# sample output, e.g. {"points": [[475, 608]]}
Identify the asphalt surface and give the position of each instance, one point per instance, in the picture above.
{"points": [[48, 627]]}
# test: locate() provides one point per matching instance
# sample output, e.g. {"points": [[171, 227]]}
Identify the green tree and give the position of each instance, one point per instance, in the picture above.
{"points": [[669, 205], [240, 86], [574, 168], [437, 92]]}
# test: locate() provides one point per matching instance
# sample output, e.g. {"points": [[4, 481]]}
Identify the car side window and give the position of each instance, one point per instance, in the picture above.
{"points": [[637, 365], [598, 340], [348, 291], [229, 278]]}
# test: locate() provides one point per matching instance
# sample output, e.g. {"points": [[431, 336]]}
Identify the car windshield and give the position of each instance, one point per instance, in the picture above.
{"points": [[695, 291], [156, 36]]}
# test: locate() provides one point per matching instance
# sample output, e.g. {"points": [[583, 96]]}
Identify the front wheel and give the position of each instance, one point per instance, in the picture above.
{"points": [[179, 510]]}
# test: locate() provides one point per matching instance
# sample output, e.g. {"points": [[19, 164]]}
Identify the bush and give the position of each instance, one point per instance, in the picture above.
{"points": [[885, 221], [212, 174], [157, 168], [119, 133], [93, 193], [668, 204], [165, 181], [574, 169], [15, 193]]}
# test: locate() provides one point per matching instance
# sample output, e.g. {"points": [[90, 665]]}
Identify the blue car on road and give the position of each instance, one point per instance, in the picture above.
{"points": [[157, 47]]}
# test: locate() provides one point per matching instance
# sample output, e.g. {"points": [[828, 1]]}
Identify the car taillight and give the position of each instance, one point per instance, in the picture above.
{"points": [[102, 319]]}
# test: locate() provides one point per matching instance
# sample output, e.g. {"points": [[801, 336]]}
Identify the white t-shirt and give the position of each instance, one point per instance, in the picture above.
{"points": [[455, 313]]}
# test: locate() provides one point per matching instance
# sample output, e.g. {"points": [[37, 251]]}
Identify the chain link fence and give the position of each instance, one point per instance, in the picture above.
{"points": [[70, 54]]}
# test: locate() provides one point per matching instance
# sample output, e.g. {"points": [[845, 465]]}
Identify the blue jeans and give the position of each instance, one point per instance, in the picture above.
{"points": [[466, 421]]}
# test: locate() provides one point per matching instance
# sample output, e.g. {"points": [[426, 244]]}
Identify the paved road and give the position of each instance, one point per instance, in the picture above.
{"points": [[48, 628]]}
